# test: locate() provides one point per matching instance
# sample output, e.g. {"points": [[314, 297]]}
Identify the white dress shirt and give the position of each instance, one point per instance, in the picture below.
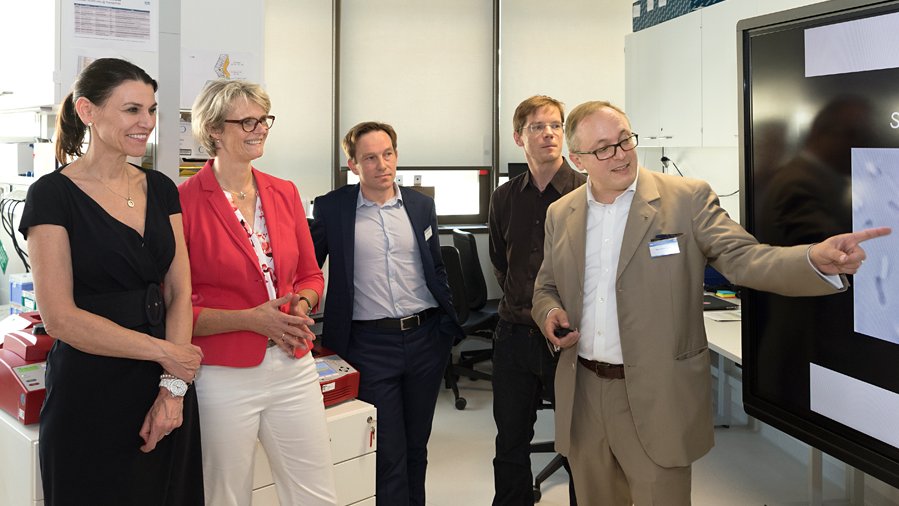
{"points": [[600, 338]]}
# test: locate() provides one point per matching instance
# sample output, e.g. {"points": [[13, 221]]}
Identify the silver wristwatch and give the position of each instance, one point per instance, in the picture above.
{"points": [[176, 386]]}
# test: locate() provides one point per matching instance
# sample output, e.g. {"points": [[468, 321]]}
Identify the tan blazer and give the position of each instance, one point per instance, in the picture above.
{"points": [[660, 317]]}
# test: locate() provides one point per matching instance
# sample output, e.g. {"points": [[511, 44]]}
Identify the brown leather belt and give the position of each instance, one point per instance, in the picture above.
{"points": [[603, 369]]}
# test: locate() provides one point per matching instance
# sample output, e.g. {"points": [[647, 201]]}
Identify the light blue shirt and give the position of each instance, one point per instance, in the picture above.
{"points": [[389, 279]]}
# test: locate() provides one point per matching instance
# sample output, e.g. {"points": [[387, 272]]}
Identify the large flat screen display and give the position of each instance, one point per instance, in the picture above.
{"points": [[820, 156]]}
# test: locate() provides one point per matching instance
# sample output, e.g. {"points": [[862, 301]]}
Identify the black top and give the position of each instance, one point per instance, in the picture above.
{"points": [[95, 405], [516, 223], [107, 255]]}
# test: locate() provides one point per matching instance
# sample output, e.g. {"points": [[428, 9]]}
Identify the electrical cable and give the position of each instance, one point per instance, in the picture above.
{"points": [[8, 207], [665, 161]]}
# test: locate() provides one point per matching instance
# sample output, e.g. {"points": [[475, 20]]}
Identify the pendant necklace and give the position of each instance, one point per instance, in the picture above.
{"points": [[128, 199], [239, 195]]}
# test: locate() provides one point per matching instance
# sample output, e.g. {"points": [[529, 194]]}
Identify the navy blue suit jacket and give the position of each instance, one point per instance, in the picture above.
{"points": [[333, 232]]}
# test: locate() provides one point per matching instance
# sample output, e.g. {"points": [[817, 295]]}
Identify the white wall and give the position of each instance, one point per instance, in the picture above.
{"points": [[572, 51], [298, 76], [427, 69], [718, 166]]}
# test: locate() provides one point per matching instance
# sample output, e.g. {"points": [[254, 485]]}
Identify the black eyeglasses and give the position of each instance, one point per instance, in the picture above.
{"points": [[249, 124], [606, 152]]}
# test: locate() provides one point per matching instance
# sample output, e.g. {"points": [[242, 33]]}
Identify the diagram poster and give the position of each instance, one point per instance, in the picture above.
{"points": [[200, 66]]}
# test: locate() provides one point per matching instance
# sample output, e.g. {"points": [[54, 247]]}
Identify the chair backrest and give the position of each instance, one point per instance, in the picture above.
{"points": [[475, 284], [456, 280]]}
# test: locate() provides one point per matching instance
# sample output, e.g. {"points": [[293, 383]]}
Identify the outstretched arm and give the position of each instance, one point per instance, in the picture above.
{"points": [[843, 254]]}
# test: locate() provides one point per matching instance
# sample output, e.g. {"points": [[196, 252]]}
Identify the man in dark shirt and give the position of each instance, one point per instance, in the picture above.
{"points": [[523, 364]]}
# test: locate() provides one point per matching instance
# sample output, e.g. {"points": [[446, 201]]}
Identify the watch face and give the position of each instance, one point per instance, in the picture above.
{"points": [[176, 386]]}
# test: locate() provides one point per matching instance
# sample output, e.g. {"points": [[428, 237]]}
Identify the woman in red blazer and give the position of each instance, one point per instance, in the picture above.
{"points": [[255, 278]]}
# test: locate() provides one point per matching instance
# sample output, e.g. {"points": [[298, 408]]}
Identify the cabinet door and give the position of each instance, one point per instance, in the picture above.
{"points": [[680, 83], [720, 88], [28, 38], [641, 82], [664, 82]]}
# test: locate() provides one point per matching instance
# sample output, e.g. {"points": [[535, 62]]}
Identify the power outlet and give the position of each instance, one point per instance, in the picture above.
{"points": [[417, 181]]}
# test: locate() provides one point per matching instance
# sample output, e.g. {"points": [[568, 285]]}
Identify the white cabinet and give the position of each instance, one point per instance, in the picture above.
{"points": [[20, 475], [664, 82], [681, 75], [353, 450], [720, 89], [353, 447], [29, 38]]}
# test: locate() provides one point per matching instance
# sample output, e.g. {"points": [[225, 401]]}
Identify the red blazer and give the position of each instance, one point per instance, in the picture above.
{"points": [[225, 272]]}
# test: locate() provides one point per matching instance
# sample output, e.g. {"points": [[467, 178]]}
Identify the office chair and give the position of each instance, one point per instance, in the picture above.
{"points": [[481, 320], [456, 282], [475, 284], [555, 463]]}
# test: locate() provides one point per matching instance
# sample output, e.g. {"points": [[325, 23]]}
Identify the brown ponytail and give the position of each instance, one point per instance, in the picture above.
{"points": [[69, 131]]}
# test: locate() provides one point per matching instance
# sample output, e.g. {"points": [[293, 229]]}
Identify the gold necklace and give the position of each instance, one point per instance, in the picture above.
{"points": [[128, 199], [240, 195]]}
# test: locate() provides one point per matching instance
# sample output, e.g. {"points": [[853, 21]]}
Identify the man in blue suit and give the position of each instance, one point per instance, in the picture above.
{"points": [[388, 311]]}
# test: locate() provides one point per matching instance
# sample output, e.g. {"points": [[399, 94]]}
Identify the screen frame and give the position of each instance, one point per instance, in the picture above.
{"points": [[845, 445]]}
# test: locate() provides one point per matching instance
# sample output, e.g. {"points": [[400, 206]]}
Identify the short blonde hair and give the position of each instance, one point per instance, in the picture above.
{"points": [[213, 104], [582, 111]]}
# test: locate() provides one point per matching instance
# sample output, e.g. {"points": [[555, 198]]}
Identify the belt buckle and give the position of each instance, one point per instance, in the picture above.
{"points": [[410, 318]]}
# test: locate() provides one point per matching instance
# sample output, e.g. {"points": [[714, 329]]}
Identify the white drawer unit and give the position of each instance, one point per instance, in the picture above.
{"points": [[20, 475], [352, 426], [353, 444]]}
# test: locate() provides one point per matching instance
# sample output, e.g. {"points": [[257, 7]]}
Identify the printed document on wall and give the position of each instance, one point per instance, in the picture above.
{"points": [[124, 24]]}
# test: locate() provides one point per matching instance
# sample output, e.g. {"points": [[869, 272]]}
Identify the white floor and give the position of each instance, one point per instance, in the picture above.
{"points": [[742, 469]]}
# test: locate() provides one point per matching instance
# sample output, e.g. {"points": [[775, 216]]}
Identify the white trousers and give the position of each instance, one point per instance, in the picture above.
{"points": [[280, 403]]}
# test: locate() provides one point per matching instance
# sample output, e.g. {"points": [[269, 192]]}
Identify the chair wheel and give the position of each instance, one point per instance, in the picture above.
{"points": [[461, 403], [537, 494]]}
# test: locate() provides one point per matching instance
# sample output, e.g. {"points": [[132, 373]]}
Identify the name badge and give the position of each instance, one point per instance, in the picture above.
{"points": [[663, 247], [428, 233]]}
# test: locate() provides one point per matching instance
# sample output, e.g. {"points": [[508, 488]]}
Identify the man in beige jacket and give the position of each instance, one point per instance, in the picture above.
{"points": [[624, 260]]}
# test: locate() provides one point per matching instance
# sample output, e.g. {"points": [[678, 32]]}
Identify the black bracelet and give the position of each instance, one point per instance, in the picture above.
{"points": [[308, 303]]}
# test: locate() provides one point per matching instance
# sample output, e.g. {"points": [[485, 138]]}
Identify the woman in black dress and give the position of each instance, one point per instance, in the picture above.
{"points": [[119, 423]]}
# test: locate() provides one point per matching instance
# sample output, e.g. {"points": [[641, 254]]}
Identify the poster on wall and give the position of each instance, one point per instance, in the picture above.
{"points": [[91, 29], [200, 66], [131, 24]]}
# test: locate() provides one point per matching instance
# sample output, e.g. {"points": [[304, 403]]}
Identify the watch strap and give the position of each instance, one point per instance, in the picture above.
{"points": [[177, 387]]}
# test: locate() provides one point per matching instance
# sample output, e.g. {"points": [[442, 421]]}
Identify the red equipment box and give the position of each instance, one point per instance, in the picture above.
{"points": [[22, 366]]}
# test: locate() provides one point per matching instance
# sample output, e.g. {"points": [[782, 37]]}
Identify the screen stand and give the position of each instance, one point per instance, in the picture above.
{"points": [[815, 478], [854, 486]]}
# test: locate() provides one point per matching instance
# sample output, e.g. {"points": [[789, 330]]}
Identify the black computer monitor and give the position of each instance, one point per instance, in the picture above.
{"points": [[819, 154], [517, 169]]}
